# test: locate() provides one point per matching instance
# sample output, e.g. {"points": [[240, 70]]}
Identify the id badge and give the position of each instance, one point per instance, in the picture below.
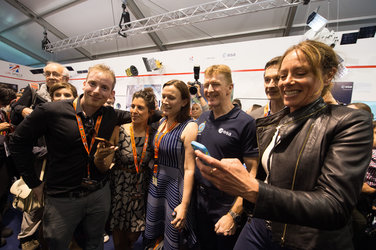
{"points": [[155, 181]]}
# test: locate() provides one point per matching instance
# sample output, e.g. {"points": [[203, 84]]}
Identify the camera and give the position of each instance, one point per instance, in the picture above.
{"points": [[192, 88]]}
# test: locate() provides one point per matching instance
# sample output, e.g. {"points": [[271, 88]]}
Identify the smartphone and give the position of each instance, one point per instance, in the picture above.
{"points": [[198, 146], [106, 142]]}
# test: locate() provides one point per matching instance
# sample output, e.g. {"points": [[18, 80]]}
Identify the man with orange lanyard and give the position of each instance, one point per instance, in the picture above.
{"points": [[75, 185], [275, 103]]}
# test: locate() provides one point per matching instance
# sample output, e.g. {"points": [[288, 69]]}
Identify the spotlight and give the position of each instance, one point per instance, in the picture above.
{"points": [[124, 20], [46, 42]]}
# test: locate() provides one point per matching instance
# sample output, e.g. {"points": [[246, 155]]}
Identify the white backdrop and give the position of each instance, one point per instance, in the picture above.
{"points": [[246, 59]]}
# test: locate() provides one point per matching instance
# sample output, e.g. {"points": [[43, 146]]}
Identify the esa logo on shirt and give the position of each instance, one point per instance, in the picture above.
{"points": [[225, 132]]}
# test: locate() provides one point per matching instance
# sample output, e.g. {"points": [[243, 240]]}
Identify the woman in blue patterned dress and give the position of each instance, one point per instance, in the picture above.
{"points": [[168, 214], [130, 173]]}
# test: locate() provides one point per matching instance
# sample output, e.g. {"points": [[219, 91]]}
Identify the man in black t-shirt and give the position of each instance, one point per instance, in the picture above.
{"points": [[76, 188], [227, 132]]}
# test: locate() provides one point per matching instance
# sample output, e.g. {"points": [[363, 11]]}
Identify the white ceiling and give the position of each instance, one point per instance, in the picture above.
{"points": [[22, 23]]}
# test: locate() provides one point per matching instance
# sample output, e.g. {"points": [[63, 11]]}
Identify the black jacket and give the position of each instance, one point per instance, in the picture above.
{"points": [[316, 174]]}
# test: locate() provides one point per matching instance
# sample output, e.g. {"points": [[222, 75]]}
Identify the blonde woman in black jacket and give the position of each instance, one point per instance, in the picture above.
{"points": [[313, 157]]}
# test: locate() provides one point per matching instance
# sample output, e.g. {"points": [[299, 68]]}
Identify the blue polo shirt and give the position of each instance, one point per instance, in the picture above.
{"points": [[232, 135]]}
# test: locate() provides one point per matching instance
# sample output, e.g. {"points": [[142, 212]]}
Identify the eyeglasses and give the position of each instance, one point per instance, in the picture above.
{"points": [[53, 73]]}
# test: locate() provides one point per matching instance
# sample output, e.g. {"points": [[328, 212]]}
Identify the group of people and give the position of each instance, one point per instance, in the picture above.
{"points": [[284, 176]]}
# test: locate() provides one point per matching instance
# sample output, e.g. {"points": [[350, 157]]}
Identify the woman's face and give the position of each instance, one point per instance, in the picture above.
{"points": [[62, 94], [298, 85], [172, 101], [139, 111], [196, 111]]}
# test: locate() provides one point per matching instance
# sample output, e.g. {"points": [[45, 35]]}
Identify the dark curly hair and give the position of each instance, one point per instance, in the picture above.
{"points": [[149, 97]]}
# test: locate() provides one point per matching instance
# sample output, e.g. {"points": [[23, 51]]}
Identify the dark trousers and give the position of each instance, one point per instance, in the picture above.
{"points": [[255, 235], [211, 206], [62, 215]]}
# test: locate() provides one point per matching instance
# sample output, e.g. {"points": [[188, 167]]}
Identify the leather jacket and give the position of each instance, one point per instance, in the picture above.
{"points": [[315, 174]]}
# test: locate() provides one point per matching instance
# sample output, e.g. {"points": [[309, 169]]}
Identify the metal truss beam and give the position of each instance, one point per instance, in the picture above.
{"points": [[290, 20], [199, 13]]}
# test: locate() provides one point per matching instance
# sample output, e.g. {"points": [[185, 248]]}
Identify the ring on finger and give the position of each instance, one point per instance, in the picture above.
{"points": [[213, 170]]}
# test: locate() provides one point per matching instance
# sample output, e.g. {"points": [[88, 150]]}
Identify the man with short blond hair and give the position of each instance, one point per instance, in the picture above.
{"points": [[227, 132], [75, 186]]}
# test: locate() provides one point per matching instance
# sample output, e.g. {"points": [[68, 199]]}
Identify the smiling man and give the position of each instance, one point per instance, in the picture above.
{"points": [[227, 132], [272, 92], [35, 94], [75, 188]]}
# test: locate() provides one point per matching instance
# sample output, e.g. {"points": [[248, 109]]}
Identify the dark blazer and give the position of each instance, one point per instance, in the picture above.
{"points": [[316, 174]]}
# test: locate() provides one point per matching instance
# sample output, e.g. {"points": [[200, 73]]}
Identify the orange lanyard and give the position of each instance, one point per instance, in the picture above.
{"points": [[266, 110], [83, 135], [134, 150], [157, 142]]}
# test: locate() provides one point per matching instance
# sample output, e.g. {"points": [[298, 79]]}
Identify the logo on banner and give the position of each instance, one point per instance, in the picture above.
{"points": [[14, 70], [229, 56]]}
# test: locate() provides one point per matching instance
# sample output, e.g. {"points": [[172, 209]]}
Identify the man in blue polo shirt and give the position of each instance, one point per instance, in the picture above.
{"points": [[227, 132]]}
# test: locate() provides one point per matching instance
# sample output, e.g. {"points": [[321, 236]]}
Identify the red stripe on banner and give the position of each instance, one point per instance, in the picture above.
{"points": [[15, 78], [361, 67]]}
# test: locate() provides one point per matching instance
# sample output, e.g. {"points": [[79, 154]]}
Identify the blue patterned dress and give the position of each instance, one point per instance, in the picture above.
{"points": [[163, 198]]}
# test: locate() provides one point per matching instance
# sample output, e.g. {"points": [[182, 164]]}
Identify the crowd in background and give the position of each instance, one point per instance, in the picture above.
{"points": [[297, 173]]}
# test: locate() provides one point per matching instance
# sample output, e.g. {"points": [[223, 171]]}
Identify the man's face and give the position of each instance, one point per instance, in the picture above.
{"points": [[216, 90], [271, 83], [97, 89], [53, 74]]}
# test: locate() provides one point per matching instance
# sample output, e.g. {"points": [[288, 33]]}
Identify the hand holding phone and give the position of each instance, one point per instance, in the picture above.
{"points": [[106, 142]]}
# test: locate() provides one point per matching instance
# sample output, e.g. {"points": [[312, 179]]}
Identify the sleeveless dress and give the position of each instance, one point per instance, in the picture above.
{"points": [[163, 198], [128, 189]]}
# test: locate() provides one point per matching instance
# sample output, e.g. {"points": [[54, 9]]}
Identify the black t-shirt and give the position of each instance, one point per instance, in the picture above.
{"points": [[67, 157]]}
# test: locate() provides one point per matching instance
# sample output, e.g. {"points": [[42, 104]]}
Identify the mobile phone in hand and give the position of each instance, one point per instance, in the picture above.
{"points": [[198, 146], [106, 142]]}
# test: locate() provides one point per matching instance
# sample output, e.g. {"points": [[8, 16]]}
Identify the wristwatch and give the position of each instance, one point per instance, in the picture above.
{"points": [[199, 96], [235, 216]]}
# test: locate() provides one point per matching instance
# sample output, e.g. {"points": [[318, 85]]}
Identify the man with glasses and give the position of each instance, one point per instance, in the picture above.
{"points": [[32, 96], [75, 186]]}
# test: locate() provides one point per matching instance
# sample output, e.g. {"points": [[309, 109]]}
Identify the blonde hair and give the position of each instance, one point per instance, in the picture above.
{"points": [[105, 69], [220, 69]]}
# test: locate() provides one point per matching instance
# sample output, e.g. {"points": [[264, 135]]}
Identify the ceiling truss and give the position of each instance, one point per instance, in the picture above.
{"points": [[199, 13]]}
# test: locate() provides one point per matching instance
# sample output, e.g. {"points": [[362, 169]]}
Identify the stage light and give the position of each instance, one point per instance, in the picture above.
{"points": [[125, 19], [46, 42]]}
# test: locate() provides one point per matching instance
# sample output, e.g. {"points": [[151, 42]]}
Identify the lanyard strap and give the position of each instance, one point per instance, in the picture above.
{"points": [[157, 142], [83, 135], [134, 150], [266, 110]]}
